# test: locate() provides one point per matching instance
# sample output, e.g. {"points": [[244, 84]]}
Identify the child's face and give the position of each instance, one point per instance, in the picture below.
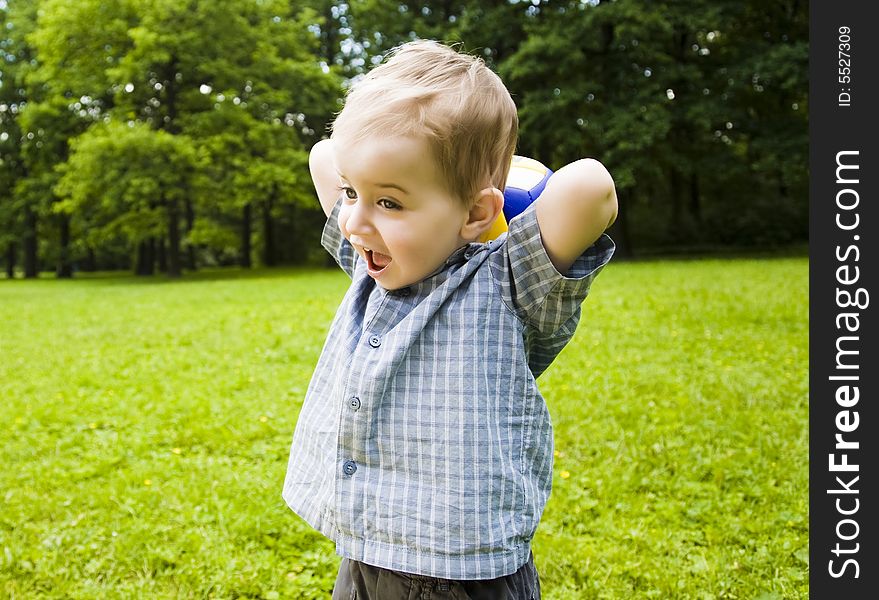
{"points": [[396, 211]]}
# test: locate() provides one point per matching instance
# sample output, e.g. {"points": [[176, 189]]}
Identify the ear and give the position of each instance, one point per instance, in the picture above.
{"points": [[484, 212]]}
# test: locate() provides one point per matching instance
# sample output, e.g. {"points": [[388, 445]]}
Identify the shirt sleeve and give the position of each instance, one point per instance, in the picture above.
{"points": [[530, 285], [335, 243]]}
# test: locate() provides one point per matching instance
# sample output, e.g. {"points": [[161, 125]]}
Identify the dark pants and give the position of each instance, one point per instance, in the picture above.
{"points": [[359, 581]]}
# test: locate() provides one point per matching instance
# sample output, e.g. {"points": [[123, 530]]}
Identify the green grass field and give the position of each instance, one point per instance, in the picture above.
{"points": [[146, 426]]}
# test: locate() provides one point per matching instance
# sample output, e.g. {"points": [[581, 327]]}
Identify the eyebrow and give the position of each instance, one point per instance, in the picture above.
{"points": [[392, 185], [382, 185]]}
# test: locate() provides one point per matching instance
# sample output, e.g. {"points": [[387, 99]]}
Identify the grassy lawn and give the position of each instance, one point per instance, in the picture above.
{"points": [[146, 426]]}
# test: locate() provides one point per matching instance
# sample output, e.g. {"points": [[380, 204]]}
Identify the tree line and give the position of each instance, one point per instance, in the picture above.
{"points": [[167, 135]]}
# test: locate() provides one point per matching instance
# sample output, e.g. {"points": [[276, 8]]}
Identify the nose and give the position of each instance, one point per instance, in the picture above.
{"points": [[358, 221]]}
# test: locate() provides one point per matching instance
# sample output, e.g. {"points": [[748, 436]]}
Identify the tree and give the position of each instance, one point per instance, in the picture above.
{"points": [[18, 219], [194, 69], [699, 110], [661, 92], [492, 29], [130, 181], [247, 164]]}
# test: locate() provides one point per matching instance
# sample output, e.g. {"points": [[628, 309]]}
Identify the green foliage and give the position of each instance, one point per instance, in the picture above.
{"points": [[77, 42], [245, 160], [121, 178], [15, 53], [699, 109], [668, 96], [147, 426], [237, 83]]}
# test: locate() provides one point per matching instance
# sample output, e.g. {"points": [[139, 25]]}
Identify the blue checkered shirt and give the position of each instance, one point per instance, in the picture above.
{"points": [[423, 444]]}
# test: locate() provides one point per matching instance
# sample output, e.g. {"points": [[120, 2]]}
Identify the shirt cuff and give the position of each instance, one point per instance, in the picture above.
{"points": [[543, 297], [335, 243]]}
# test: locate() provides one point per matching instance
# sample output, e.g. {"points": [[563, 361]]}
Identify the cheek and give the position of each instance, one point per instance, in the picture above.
{"points": [[421, 248], [402, 240]]}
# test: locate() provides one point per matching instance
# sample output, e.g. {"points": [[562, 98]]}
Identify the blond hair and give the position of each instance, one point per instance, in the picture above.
{"points": [[453, 100]]}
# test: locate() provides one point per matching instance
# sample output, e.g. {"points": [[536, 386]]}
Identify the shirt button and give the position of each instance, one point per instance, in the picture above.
{"points": [[404, 292], [354, 403], [375, 341], [349, 468]]}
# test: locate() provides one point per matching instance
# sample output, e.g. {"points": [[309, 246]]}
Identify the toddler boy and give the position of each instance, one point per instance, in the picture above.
{"points": [[424, 448]]}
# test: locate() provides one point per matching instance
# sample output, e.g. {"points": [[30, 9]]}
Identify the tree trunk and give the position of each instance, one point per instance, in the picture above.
{"points": [[173, 253], [10, 260], [695, 199], [152, 254], [269, 252], [675, 221], [174, 268], [244, 259], [162, 256], [64, 270], [30, 245], [90, 263], [145, 251], [190, 223], [782, 187]]}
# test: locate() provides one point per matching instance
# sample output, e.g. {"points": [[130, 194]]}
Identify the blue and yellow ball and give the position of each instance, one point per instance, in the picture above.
{"points": [[527, 179]]}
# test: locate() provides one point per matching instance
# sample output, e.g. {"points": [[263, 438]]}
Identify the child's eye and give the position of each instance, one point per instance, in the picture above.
{"points": [[388, 204], [349, 192]]}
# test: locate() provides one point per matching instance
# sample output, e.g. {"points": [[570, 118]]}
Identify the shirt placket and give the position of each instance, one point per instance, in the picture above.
{"points": [[353, 405], [361, 395]]}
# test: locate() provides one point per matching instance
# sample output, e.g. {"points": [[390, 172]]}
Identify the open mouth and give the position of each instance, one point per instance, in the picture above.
{"points": [[376, 261]]}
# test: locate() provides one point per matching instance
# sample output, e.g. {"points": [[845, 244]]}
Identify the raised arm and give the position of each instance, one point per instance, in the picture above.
{"points": [[578, 204], [323, 174]]}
